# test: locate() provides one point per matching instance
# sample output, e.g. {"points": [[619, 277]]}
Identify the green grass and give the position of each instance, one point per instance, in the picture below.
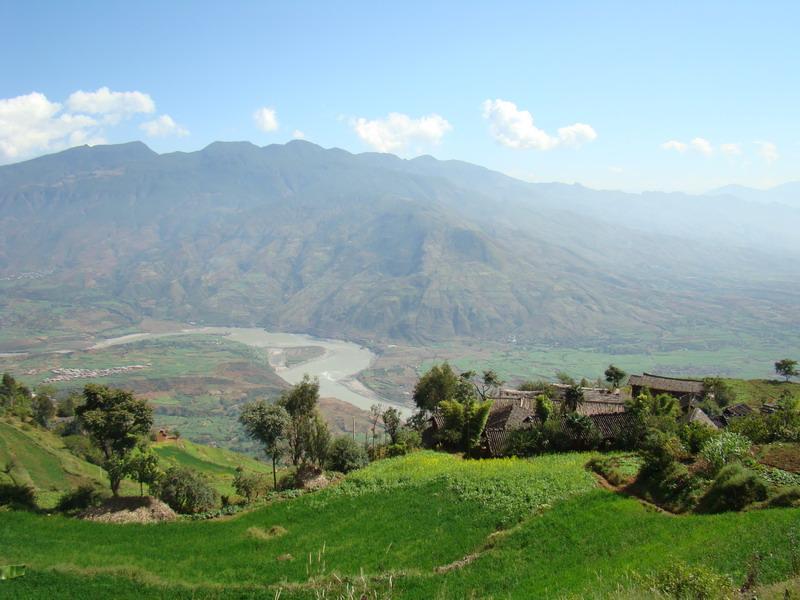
{"points": [[39, 459], [218, 464], [402, 518]]}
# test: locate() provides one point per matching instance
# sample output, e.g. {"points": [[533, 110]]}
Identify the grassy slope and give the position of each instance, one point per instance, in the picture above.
{"points": [[757, 391], [403, 516], [39, 458], [218, 464]]}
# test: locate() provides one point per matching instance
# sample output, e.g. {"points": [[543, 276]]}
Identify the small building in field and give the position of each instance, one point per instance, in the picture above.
{"points": [[163, 435], [685, 390]]}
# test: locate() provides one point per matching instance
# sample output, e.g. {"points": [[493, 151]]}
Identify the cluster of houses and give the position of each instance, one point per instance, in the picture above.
{"points": [[515, 409]]}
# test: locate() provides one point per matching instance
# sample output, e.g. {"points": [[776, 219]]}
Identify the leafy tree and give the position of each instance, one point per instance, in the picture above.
{"points": [[723, 393], [114, 420], [302, 398], [664, 405], [301, 404], [345, 455], [14, 397], [318, 440], [267, 424], [464, 422], [615, 375], [375, 414], [66, 407], [787, 368], [543, 408], [43, 409], [186, 491], [486, 385], [248, 485], [573, 396], [435, 386], [391, 422], [143, 467]]}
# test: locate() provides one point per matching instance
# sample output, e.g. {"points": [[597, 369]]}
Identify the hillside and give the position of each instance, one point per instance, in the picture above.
{"points": [[372, 247], [400, 529], [30, 455]]}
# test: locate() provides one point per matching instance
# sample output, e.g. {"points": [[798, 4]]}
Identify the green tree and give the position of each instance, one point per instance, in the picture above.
{"points": [[115, 421], [543, 408], [43, 409], [248, 485], [786, 367], [186, 491], [615, 375], [464, 422], [438, 384], [307, 434], [267, 424], [143, 468], [391, 422], [487, 385], [346, 455], [573, 396]]}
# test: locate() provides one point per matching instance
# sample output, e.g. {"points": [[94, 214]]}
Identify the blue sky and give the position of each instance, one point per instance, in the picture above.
{"points": [[623, 95]]}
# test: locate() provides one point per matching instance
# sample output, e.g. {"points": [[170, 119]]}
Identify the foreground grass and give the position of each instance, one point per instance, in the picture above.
{"points": [[402, 519]]}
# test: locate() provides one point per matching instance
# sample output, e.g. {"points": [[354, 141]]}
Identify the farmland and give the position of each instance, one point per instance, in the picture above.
{"points": [[396, 529]]}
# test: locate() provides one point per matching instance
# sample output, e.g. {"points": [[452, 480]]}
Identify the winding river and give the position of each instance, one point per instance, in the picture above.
{"points": [[337, 368]]}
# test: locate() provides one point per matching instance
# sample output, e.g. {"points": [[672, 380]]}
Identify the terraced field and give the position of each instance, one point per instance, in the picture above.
{"points": [[424, 526]]}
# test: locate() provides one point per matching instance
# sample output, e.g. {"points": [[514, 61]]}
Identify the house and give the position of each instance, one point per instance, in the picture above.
{"points": [[685, 390], [163, 435], [698, 415]]}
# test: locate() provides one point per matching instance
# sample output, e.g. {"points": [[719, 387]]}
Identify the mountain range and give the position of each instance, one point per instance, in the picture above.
{"points": [[370, 246]]}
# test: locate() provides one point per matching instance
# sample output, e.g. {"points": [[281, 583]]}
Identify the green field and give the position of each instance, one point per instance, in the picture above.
{"points": [[535, 528], [217, 464]]}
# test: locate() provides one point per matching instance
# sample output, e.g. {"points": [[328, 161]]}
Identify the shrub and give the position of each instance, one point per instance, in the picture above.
{"points": [[186, 491], [410, 438], [346, 455], [660, 451], [249, 485], [81, 498], [734, 488], [753, 427], [527, 441], [683, 582], [17, 496], [725, 448], [785, 497], [696, 435], [393, 450]]}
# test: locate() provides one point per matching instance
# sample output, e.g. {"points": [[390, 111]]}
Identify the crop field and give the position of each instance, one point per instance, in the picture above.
{"points": [[402, 528]]}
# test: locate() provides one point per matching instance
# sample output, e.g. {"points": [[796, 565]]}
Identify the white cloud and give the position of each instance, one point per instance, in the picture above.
{"points": [[702, 145], [675, 145], [515, 128], [397, 131], [163, 126], [266, 119], [768, 151], [298, 135], [32, 124], [731, 149], [114, 105]]}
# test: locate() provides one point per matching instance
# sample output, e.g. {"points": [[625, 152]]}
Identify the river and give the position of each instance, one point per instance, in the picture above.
{"points": [[337, 368]]}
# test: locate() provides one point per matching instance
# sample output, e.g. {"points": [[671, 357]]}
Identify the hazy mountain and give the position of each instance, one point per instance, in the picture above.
{"points": [[296, 237], [788, 193]]}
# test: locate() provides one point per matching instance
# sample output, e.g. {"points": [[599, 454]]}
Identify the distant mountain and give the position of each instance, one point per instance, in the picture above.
{"points": [[787, 193], [299, 238]]}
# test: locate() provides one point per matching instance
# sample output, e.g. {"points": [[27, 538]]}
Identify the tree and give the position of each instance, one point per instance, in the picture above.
{"points": [[115, 421], [186, 491], [43, 409], [375, 414], [543, 408], [486, 385], [787, 368], [565, 378], [318, 440], [464, 422], [307, 434], [143, 467], [573, 396], [267, 424], [248, 485], [438, 384], [346, 455], [391, 422], [615, 375]]}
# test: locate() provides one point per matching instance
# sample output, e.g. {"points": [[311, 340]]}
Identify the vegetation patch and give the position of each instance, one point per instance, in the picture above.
{"points": [[259, 533]]}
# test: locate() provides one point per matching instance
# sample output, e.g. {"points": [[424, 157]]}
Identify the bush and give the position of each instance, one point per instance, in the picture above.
{"points": [[393, 450], [82, 447], [753, 427], [734, 488], [249, 485], [785, 497], [660, 451], [410, 438], [81, 498], [17, 496], [527, 441], [683, 582], [186, 491], [724, 449], [696, 435], [346, 455]]}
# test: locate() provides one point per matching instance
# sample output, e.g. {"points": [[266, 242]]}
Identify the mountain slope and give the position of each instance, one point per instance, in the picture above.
{"points": [[368, 246]]}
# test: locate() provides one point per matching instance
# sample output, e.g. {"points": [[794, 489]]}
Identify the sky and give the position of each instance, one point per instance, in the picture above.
{"points": [[616, 95]]}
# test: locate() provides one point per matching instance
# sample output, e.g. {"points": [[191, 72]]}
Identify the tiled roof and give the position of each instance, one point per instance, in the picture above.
{"points": [[737, 410], [667, 384], [698, 415]]}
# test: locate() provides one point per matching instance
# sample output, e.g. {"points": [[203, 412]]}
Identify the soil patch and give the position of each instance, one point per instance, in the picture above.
{"points": [[130, 510]]}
